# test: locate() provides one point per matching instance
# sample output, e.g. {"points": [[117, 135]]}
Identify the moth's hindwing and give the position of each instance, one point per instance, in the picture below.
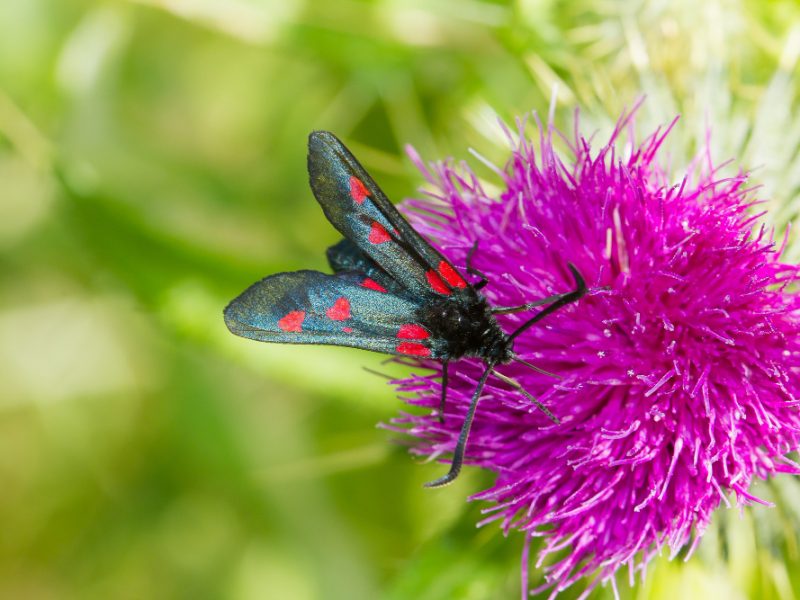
{"points": [[308, 307], [357, 207], [346, 257]]}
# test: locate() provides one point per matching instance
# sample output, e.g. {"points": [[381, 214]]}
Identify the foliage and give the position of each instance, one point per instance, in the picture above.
{"points": [[152, 163]]}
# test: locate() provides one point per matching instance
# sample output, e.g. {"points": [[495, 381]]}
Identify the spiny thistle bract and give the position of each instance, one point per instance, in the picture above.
{"points": [[679, 378]]}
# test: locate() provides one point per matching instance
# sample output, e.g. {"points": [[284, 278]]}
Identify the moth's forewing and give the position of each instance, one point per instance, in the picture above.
{"points": [[357, 207]]}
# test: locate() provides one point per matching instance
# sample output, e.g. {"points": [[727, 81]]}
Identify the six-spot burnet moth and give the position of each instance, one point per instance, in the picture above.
{"points": [[391, 291]]}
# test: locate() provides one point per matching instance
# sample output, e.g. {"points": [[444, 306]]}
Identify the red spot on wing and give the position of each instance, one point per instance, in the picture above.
{"points": [[411, 331], [371, 284], [451, 276], [347, 329], [358, 190], [340, 311], [413, 349], [293, 321], [437, 283], [378, 234]]}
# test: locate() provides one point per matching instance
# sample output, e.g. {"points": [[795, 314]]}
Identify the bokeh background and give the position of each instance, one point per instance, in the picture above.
{"points": [[152, 165]]}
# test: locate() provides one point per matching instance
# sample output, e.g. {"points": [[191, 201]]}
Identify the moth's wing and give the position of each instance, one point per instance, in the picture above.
{"points": [[346, 257], [357, 207], [308, 307]]}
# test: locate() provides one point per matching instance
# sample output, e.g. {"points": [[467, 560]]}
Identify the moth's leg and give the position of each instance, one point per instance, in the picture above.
{"points": [[473, 271], [444, 391], [517, 386], [461, 444], [378, 373], [533, 367]]}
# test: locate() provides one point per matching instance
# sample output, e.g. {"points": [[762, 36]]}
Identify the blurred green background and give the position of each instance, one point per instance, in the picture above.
{"points": [[152, 165]]}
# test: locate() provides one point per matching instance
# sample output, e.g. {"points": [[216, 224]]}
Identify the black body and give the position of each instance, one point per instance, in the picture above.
{"points": [[469, 328]]}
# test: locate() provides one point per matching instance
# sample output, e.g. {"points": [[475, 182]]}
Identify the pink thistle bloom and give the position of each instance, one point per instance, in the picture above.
{"points": [[679, 373]]}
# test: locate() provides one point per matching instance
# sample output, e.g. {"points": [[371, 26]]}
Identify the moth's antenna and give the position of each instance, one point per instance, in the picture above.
{"points": [[461, 444], [533, 367], [506, 310], [517, 386], [580, 290]]}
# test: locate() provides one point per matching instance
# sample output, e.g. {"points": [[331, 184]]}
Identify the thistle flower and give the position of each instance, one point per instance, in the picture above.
{"points": [[679, 380]]}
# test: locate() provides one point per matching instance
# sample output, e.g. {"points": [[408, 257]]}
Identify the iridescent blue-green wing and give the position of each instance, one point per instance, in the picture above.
{"points": [[346, 257], [308, 307], [357, 207]]}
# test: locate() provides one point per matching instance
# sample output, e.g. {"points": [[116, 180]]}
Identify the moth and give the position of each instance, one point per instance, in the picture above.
{"points": [[391, 291]]}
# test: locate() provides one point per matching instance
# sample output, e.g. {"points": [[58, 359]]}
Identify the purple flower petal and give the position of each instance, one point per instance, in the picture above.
{"points": [[680, 379]]}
